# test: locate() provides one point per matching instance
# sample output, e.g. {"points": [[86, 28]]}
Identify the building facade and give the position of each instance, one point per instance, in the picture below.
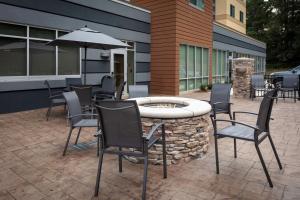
{"points": [[231, 13], [189, 49], [176, 46], [26, 62]]}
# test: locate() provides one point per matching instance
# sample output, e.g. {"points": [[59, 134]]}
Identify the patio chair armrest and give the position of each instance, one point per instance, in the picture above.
{"points": [[152, 130], [70, 117], [236, 122], [56, 96]]}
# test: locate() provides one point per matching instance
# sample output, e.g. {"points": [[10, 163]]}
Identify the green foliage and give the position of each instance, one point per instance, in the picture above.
{"points": [[277, 23]]}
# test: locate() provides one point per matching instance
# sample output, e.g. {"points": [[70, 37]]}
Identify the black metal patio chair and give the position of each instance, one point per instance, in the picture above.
{"points": [[121, 128], [85, 96], [220, 97], [243, 131], [290, 84], [76, 118], [72, 82], [55, 99], [136, 91], [258, 86], [107, 88]]}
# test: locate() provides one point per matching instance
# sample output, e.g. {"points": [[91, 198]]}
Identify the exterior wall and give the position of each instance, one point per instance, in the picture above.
{"points": [[174, 23], [119, 20], [222, 14]]}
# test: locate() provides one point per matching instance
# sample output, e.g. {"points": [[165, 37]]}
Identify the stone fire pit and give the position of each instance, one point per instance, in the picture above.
{"points": [[186, 123]]}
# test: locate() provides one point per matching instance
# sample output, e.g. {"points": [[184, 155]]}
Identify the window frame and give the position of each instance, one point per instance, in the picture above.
{"points": [[197, 6], [29, 77], [195, 77], [232, 11], [241, 16]]}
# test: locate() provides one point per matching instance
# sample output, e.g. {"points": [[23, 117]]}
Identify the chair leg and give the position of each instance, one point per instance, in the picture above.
{"points": [[97, 186], [78, 134], [295, 93], [48, 111], [263, 165], [217, 155], [145, 178], [98, 145], [120, 161], [235, 153], [275, 152], [68, 139], [164, 152]]}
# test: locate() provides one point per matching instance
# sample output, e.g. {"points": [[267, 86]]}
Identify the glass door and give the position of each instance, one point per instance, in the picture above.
{"points": [[118, 66]]}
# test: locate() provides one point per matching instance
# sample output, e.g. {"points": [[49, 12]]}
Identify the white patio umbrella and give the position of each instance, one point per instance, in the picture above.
{"points": [[88, 38]]}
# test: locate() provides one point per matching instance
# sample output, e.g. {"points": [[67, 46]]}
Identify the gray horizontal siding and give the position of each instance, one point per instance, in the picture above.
{"points": [[142, 67], [143, 57], [76, 11], [37, 18], [233, 48], [142, 77], [116, 8], [143, 47], [96, 66], [235, 42], [232, 34]]}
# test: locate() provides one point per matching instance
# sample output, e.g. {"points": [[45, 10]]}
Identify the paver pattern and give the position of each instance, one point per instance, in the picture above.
{"points": [[32, 166]]}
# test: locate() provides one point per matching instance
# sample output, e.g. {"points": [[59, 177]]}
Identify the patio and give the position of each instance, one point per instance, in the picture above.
{"points": [[31, 165]]}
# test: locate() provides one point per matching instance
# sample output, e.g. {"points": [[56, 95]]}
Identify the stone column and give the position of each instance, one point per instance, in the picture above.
{"points": [[243, 68]]}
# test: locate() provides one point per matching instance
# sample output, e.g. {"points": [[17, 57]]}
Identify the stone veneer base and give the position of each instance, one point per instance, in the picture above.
{"points": [[186, 139]]}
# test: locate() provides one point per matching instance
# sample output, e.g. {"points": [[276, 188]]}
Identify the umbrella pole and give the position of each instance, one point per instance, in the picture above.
{"points": [[85, 50]]}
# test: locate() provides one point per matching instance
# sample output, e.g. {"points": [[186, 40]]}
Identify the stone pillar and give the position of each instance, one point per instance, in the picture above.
{"points": [[243, 68]]}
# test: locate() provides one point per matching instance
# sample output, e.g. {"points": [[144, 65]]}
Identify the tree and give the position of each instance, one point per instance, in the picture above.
{"points": [[277, 23]]}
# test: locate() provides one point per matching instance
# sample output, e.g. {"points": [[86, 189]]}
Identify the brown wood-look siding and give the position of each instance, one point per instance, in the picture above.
{"points": [[174, 22]]}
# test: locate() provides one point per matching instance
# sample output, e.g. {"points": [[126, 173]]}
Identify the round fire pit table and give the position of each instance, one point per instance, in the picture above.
{"points": [[186, 124]]}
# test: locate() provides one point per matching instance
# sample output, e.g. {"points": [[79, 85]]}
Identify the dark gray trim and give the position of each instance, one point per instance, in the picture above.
{"points": [[16, 101], [116, 8], [229, 40], [142, 47], [76, 11], [142, 67]]}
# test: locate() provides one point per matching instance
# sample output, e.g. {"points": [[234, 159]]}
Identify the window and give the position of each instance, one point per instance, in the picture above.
{"points": [[220, 66], [193, 67], [24, 52], [241, 17], [197, 3], [232, 10]]}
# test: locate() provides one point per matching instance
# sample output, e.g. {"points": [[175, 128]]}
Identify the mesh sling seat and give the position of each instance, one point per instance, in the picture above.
{"points": [[85, 96], [121, 128], [76, 118], [220, 98], [243, 131], [55, 99], [258, 86], [290, 83], [136, 91]]}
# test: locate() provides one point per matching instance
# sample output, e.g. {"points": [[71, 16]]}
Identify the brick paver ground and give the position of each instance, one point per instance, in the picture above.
{"points": [[32, 168]]}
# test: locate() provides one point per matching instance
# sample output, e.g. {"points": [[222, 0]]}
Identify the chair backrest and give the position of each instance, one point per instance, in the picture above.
{"points": [[73, 82], [73, 106], [84, 94], [120, 124], [220, 93], [257, 81], [265, 110], [108, 83], [138, 91], [290, 81], [48, 87], [120, 91]]}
